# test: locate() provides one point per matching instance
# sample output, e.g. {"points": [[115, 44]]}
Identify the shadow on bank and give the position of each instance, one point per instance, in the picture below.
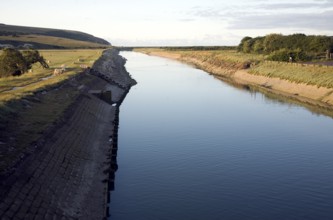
{"points": [[111, 67]]}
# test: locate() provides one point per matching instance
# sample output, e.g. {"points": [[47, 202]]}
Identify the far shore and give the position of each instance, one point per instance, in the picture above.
{"points": [[309, 94]]}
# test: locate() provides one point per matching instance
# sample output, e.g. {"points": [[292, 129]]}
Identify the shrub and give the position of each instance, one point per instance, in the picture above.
{"points": [[12, 63], [285, 54]]}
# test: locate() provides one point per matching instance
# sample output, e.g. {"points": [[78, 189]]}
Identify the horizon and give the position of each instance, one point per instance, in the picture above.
{"points": [[163, 24]]}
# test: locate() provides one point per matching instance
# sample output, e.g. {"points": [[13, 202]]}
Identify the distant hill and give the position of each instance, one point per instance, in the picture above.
{"points": [[47, 38]]}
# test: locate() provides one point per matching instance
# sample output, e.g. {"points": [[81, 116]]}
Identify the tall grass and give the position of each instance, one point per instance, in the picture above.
{"points": [[321, 76], [223, 56]]}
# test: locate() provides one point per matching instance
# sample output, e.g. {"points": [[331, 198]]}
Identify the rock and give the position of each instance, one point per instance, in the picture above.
{"points": [[111, 66]]}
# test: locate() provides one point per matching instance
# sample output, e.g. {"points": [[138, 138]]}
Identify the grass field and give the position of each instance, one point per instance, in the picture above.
{"points": [[55, 41], [25, 114], [29, 83]]}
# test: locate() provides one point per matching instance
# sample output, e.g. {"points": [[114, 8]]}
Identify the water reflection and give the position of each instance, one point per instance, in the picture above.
{"points": [[113, 160], [270, 98], [193, 147]]}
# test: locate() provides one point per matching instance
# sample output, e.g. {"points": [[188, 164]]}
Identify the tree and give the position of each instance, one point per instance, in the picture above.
{"points": [[247, 46], [320, 43], [273, 42], [33, 56], [241, 45], [279, 47], [12, 63], [258, 46]]}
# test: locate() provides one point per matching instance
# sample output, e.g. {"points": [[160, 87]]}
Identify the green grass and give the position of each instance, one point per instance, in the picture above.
{"points": [[32, 81]]}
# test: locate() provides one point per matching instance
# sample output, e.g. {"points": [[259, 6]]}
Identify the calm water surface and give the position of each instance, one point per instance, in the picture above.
{"points": [[193, 147]]}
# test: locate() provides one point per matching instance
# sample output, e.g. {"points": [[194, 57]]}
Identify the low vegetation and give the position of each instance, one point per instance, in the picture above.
{"points": [[319, 75], [219, 57], [233, 60]]}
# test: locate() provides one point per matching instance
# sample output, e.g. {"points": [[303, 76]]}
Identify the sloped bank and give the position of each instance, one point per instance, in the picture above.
{"points": [[111, 67], [307, 94], [69, 172]]}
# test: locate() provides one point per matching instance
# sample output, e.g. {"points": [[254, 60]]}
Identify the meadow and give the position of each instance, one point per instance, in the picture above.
{"points": [[17, 87]]}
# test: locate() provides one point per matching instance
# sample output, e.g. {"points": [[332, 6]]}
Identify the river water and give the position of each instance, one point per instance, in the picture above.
{"points": [[193, 147]]}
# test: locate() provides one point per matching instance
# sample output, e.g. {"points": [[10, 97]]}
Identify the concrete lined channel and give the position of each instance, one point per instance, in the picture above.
{"points": [[69, 173]]}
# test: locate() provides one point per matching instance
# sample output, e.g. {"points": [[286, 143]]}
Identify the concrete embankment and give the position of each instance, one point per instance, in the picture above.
{"points": [[310, 94], [71, 168]]}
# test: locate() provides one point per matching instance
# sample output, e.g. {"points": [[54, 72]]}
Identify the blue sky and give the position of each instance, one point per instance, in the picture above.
{"points": [[174, 22]]}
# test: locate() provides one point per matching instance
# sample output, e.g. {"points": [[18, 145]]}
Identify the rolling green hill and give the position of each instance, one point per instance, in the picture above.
{"points": [[47, 38]]}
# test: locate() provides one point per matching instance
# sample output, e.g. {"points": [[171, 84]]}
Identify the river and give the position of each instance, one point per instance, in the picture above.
{"points": [[193, 147]]}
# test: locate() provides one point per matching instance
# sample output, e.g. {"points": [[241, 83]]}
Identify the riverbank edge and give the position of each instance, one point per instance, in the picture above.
{"points": [[110, 71], [308, 94], [119, 87]]}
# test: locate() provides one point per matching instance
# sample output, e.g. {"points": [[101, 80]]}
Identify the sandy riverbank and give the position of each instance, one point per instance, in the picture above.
{"points": [[310, 94], [69, 171]]}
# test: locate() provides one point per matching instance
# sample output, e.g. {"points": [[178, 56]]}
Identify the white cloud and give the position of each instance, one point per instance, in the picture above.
{"points": [[174, 22]]}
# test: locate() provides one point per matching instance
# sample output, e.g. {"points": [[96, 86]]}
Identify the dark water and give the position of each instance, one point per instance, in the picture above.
{"points": [[193, 147]]}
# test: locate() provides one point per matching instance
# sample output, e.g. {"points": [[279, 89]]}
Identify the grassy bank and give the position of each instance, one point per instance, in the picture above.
{"points": [[38, 100], [318, 75]]}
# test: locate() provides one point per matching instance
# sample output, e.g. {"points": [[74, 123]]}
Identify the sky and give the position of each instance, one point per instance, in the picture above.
{"points": [[173, 22]]}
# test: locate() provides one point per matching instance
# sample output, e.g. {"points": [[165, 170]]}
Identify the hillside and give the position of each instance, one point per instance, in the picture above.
{"points": [[47, 38]]}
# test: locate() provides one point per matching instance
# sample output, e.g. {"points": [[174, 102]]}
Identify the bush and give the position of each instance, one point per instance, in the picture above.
{"points": [[12, 63], [285, 54]]}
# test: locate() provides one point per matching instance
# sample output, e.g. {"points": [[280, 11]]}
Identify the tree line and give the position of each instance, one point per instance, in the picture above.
{"points": [[15, 63], [298, 47]]}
